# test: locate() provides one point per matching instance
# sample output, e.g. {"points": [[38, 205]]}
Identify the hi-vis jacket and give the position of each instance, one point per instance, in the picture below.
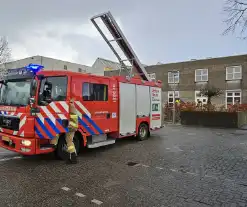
{"points": [[73, 119], [73, 122]]}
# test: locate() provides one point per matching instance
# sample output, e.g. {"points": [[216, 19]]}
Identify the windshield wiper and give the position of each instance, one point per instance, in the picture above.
{"points": [[18, 105], [11, 104], [15, 104]]}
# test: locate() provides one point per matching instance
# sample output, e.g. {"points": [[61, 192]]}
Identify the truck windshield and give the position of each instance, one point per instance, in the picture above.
{"points": [[15, 92]]}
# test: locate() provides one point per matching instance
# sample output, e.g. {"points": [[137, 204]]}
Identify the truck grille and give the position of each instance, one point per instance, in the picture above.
{"points": [[9, 122]]}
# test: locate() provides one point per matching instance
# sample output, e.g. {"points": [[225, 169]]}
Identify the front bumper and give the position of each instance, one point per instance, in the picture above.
{"points": [[22, 145]]}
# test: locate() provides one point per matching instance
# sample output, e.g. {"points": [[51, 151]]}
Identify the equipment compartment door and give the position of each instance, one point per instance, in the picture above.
{"points": [[143, 101], [127, 100], [156, 109]]}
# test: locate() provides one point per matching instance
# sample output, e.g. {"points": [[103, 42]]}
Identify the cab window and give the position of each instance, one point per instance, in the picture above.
{"points": [[57, 89], [94, 92]]}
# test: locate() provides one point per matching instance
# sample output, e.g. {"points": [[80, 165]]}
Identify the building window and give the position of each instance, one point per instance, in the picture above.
{"points": [[152, 76], [201, 75], [80, 70], [234, 73], [94, 92], [173, 77], [65, 67], [200, 98], [172, 96], [233, 97]]}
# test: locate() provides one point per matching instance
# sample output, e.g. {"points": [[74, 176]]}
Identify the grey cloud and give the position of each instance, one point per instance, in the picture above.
{"points": [[86, 47], [33, 11], [159, 30]]}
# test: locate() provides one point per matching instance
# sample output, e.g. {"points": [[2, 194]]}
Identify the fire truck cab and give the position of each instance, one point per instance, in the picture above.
{"points": [[34, 109]]}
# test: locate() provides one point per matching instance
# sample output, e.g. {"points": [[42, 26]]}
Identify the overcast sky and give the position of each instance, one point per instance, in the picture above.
{"points": [[159, 30]]}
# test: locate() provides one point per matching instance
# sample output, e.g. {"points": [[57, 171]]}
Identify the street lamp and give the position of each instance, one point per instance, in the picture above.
{"points": [[174, 75]]}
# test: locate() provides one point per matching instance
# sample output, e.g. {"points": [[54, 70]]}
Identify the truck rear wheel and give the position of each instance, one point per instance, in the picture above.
{"points": [[143, 132], [61, 150]]}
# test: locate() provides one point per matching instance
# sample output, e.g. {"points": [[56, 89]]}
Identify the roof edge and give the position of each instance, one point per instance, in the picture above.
{"points": [[199, 60]]}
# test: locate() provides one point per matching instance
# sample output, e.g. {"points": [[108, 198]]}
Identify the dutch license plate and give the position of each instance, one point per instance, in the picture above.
{"points": [[4, 138]]}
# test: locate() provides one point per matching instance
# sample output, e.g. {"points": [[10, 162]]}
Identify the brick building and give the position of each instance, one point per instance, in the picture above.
{"points": [[187, 78]]}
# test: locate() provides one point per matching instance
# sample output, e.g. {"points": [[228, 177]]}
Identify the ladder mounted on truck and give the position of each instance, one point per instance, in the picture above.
{"points": [[122, 42]]}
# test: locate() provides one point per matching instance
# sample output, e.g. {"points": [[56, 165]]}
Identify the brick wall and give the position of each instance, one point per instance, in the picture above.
{"points": [[216, 76]]}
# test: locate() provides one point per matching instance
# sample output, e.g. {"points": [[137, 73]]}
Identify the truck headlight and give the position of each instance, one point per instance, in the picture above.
{"points": [[26, 142]]}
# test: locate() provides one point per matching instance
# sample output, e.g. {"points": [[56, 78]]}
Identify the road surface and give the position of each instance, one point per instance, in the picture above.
{"points": [[177, 166]]}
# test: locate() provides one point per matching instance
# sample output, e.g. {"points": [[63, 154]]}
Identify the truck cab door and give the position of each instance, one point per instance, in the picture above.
{"points": [[53, 107]]}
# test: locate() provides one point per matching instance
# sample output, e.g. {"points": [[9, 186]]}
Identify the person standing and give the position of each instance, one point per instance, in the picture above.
{"points": [[71, 157], [73, 126]]}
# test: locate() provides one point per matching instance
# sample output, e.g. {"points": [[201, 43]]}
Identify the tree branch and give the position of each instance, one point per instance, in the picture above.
{"points": [[241, 3], [237, 16], [5, 51]]}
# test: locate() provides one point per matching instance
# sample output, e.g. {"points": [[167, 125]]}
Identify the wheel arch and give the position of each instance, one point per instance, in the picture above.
{"points": [[82, 137], [148, 125]]}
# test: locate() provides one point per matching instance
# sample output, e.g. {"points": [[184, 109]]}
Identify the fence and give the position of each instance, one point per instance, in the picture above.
{"points": [[168, 113]]}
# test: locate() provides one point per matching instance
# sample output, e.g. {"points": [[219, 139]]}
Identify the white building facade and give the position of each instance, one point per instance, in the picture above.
{"points": [[48, 63]]}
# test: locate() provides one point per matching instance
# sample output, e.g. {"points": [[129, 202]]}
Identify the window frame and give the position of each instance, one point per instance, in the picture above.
{"points": [[91, 87], [199, 97], [152, 74], [233, 96], [173, 96], [40, 84], [234, 67], [201, 75], [168, 77]]}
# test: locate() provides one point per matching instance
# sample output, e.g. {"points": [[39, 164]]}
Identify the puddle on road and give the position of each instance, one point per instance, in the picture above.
{"points": [[219, 134], [238, 133], [132, 164]]}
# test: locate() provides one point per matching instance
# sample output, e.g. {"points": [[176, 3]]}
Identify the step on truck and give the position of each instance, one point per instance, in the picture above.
{"points": [[34, 104]]}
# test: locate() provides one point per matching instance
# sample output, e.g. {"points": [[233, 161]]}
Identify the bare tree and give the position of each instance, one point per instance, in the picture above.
{"points": [[210, 92], [5, 54], [236, 11], [5, 51]]}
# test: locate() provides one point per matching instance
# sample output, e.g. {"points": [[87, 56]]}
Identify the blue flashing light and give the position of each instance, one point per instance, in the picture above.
{"points": [[34, 67]]}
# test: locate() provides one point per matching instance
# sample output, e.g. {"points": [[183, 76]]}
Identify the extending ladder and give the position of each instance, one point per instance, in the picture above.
{"points": [[122, 42]]}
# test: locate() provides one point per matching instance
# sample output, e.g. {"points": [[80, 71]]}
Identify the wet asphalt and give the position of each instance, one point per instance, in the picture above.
{"points": [[176, 166]]}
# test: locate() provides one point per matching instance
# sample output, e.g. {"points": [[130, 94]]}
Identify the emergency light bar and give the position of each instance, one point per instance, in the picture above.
{"points": [[34, 67], [21, 73]]}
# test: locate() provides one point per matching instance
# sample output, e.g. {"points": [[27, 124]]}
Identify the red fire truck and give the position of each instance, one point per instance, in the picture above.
{"points": [[34, 105]]}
